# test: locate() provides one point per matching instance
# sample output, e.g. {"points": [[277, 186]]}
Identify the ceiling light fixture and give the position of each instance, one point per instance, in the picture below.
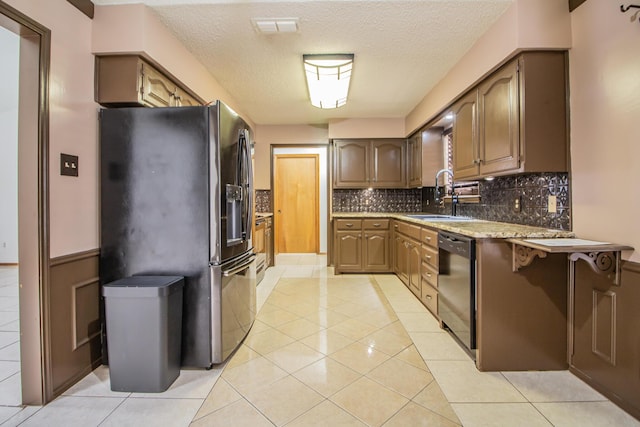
{"points": [[328, 78]]}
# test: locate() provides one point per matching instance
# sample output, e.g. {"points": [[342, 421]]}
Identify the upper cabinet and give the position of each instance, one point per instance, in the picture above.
{"points": [[128, 80], [515, 120], [414, 160], [425, 151], [363, 163]]}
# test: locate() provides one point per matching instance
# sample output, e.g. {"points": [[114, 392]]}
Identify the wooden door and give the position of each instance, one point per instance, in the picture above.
{"points": [[465, 137], [389, 163], [351, 164], [498, 121], [296, 203]]}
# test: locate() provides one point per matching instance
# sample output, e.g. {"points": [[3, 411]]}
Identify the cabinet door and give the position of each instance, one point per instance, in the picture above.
{"points": [[348, 251], [607, 331], [376, 251], [268, 244], [157, 90], [465, 136], [351, 164], [414, 262], [499, 121], [414, 161], [183, 99], [389, 164], [400, 259]]}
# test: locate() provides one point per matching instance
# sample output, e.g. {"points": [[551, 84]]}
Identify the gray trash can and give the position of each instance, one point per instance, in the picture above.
{"points": [[144, 332]]}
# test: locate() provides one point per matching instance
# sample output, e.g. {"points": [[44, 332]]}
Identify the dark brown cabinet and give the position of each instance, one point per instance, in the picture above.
{"points": [[429, 269], [268, 242], [515, 120], [351, 163], [128, 80], [498, 121], [362, 245], [465, 136], [607, 332], [414, 160], [379, 163], [408, 255]]}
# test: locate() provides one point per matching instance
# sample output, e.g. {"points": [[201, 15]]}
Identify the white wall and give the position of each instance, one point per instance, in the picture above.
{"points": [[605, 108], [10, 48], [323, 217]]}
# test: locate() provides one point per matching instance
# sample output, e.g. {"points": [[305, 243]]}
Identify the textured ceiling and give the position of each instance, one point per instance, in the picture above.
{"points": [[402, 49]]}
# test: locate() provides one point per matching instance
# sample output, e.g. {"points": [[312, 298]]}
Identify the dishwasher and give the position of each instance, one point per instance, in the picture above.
{"points": [[457, 287]]}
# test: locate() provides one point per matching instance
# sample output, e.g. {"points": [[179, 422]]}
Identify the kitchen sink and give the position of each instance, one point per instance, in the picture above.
{"points": [[434, 217]]}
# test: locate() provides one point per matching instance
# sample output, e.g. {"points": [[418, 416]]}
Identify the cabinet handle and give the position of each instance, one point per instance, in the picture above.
{"points": [[377, 224], [428, 257], [428, 239], [349, 225], [395, 225], [429, 297], [429, 275]]}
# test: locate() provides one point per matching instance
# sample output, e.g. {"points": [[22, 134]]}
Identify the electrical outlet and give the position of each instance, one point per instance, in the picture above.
{"points": [[552, 205], [517, 204], [68, 165]]}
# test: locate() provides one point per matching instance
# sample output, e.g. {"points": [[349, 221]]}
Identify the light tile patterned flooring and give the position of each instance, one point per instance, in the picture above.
{"points": [[325, 350]]}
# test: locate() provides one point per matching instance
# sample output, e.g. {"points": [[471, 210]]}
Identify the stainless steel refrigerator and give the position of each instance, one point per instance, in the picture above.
{"points": [[176, 199]]}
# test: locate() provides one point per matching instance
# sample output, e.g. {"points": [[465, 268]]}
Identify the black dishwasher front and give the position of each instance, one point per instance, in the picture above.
{"points": [[457, 287]]}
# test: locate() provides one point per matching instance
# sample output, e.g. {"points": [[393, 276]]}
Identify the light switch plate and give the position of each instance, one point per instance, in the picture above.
{"points": [[68, 165], [552, 205]]}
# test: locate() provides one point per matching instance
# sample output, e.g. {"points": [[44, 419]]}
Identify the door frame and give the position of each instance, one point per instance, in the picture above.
{"points": [[34, 231], [327, 201]]}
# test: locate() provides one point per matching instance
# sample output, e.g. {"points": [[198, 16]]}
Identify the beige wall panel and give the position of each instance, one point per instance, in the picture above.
{"points": [[605, 106]]}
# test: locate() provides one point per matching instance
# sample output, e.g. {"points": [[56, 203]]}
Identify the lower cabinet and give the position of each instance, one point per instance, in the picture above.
{"points": [[606, 350], [429, 269], [362, 246], [408, 255]]}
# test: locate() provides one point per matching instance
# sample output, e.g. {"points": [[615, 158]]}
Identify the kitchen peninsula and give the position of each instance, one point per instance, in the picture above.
{"points": [[537, 306]]}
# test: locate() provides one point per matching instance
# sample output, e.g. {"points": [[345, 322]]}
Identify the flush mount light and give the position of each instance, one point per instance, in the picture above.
{"points": [[328, 78]]}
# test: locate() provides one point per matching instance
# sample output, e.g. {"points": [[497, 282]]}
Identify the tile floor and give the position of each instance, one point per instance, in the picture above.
{"points": [[328, 350]]}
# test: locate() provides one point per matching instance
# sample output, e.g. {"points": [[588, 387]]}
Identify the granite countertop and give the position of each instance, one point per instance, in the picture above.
{"points": [[263, 214], [473, 228]]}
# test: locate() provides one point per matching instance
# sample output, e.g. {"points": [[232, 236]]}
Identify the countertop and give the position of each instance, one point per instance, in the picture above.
{"points": [[474, 228], [263, 214]]}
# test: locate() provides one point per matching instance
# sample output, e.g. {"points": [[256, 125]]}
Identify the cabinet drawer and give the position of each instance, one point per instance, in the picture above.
{"points": [[429, 237], [348, 224], [429, 274], [429, 298], [407, 229], [430, 256], [376, 224]]}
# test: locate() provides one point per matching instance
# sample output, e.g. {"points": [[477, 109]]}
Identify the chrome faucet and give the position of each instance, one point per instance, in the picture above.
{"points": [[454, 198]]}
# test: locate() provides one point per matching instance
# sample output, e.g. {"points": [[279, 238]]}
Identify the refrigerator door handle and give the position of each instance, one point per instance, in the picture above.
{"points": [[247, 182], [239, 268]]}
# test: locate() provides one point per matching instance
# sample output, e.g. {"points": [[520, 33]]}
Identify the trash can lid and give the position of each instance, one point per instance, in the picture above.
{"points": [[143, 286]]}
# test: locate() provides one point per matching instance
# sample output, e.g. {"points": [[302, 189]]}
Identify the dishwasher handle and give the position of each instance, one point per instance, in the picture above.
{"points": [[457, 244]]}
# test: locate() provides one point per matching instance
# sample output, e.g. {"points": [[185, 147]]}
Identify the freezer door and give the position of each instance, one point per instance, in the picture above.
{"points": [[233, 305]]}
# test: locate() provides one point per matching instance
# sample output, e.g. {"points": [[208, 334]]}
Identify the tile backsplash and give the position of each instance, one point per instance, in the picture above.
{"points": [[377, 200], [263, 201], [497, 200]]}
